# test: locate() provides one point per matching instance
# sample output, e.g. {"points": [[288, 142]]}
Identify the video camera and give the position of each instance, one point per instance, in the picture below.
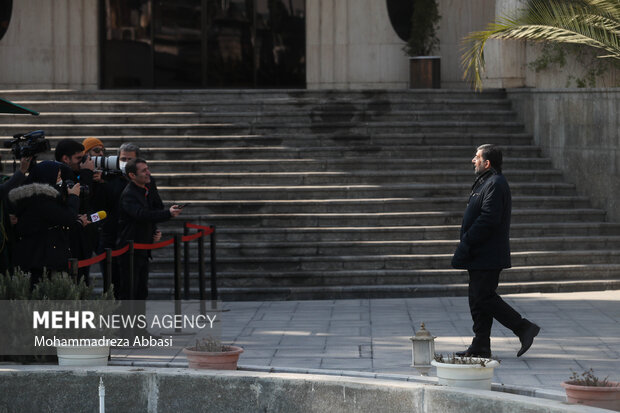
{"points": [[29, 144]]}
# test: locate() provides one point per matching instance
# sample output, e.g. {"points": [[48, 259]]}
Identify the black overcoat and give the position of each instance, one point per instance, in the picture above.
{"points": [[43, 225], [485, 231]]}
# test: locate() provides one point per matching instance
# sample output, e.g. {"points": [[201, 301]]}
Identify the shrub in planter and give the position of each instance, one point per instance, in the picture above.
{"points": [[468, 372], [210, 353], [589, 390]]}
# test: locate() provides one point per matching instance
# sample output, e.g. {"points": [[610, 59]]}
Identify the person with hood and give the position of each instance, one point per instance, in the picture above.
{"points": [[43, 221]]}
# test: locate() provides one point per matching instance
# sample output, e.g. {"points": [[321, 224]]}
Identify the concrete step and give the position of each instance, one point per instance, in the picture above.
{"points": [[235, 208], [405, 232], [325, 248], [395, 291], [357, 191], [558, 273], [263, 105], [380, 162], [353, 144], [300, 96], [369, 176], [278, 117], [316, 263], [542, 218]]}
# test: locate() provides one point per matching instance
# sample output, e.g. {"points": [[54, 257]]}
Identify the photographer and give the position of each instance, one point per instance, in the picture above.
{"points": [[79, 168], [115, 183], [43, 221], [140, 210], [8, 238]]}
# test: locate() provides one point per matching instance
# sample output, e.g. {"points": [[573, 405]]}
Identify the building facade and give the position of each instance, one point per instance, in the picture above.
{"points": [[313, 44]]}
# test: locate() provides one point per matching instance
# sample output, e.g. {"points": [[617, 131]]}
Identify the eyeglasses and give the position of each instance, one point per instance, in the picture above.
{"points": [[97, 150]]}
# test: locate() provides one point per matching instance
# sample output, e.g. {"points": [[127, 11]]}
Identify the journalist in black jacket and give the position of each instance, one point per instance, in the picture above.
{"points": [[484, 250], [140, 209], [43, 221]]}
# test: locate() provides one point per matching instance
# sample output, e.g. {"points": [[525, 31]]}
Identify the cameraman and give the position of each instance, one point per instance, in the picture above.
{"points": [[44, 221], [6, 232], [79, 168]]}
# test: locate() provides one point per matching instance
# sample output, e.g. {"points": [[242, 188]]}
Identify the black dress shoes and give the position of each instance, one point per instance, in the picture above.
{"points": [[473, 352], [527, 338]]}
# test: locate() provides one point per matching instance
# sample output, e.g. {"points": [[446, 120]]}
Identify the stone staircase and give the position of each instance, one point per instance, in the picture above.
{"points": [[323, 194]]}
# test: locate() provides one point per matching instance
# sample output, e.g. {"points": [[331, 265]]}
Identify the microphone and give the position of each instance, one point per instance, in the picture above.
{"points": [[97, 216]]}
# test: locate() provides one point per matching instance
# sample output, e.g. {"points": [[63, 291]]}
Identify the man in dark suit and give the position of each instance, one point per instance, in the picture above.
{"points": [[484, 250]]}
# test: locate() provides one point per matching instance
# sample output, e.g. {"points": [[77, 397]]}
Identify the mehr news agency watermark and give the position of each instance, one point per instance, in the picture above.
{"points": [[36, 327]]}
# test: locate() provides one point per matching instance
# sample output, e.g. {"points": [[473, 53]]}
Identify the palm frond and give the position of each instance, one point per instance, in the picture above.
{"points": [[593, 23]]}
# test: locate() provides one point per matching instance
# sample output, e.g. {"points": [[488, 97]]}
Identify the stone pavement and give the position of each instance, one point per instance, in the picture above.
{"points": [[579, 331]]}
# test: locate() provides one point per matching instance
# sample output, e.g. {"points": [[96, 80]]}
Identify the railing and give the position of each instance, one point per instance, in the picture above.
{"points": [[177, 240]]}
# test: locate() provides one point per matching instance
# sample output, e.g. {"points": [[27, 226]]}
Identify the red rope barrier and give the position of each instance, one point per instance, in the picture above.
{"points": [[206, 230], [153, 246], [116, 253]]}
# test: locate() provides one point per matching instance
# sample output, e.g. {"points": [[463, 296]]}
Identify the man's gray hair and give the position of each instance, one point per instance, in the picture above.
{"points": [[129, 147], [493, 154]]}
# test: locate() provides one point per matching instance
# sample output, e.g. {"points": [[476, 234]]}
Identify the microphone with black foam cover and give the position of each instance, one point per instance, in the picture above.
{"points": [[97, 216]]}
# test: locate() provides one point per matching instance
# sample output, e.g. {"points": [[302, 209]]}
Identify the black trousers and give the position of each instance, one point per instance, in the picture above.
{"points": [[485, 305], [140, 277]]}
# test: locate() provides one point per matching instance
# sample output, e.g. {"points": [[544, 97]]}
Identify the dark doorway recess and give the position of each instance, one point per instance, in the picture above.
{"points": [[400, 12], [203, 43], [6, 8]]}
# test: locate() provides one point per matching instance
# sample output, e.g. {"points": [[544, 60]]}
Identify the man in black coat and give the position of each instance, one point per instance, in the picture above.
{"points": [[484, 250], [140, 209]]}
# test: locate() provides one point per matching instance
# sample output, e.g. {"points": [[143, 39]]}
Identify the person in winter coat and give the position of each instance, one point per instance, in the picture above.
{"points": [[484, 250], [43, 221], [140, 209]]}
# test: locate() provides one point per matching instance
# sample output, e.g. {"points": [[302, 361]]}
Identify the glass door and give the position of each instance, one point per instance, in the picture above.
{"points": [[203, 43]]}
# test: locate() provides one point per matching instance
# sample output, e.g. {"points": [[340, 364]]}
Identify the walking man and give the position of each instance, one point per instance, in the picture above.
{"points": [[484, 250]]}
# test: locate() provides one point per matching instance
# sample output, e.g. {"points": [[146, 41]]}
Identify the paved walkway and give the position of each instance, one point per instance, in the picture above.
{"points": [[579, 331]]}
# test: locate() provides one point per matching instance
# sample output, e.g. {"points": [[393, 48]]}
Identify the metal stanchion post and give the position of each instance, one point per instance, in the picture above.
{"points": [[213, 267], [201, 273], [177, 276], [73, 266], [131, 274], [186, 265], [107, 273]]}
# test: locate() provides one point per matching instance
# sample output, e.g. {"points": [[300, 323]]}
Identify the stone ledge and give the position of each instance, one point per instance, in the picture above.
{"points": [[30, 388]]}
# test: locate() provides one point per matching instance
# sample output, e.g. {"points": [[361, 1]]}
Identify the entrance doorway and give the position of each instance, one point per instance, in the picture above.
{"points": [[203, 44]]}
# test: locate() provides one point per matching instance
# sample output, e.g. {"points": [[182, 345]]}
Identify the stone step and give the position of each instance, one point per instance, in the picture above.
{"points": [[264, 105], [406, 232], [350, 130], [309, 177], [300, 96], [380, 162], [325, 248], [558, 273], [395, 291], [276, 117], [298, 192], [318, 263], [234, 208], [351, 144]]}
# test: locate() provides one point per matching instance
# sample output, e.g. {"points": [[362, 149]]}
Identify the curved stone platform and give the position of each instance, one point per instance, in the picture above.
{"points": [[52, 388]]}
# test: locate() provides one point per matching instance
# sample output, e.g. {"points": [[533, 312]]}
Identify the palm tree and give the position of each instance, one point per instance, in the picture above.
{"points": [[593, 23]]}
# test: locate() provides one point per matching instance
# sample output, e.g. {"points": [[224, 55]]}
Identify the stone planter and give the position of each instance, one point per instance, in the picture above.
{"points": [[607, 397], [221, 360], [471, 376], [83, 356]]}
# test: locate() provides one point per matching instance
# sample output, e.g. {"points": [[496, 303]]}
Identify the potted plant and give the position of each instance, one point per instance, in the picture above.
{"points": [[210, 353], [60, 286], [65, 294], [424, 69], [469, 372], [590, 390]]}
